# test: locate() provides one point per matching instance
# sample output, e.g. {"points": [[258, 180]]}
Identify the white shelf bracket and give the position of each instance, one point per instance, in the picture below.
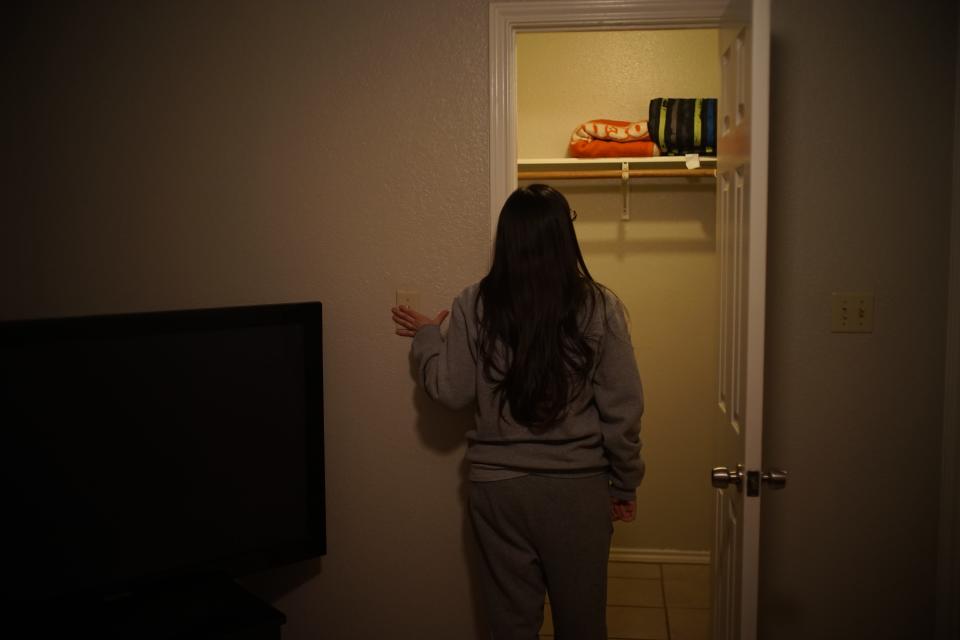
{"points": [[625, 187]]}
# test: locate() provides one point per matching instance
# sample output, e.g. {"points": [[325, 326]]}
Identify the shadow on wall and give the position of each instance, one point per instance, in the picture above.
{"points": [[659, 221], [273, 584], [444, 430]]}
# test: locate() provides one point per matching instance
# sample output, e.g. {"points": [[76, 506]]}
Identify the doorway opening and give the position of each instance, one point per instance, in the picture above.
{"points": [[653, 242], [661, 261], [736, 232]]}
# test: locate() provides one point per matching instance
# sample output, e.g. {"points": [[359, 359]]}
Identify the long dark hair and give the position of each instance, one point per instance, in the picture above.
{"points": [[537, 302]]}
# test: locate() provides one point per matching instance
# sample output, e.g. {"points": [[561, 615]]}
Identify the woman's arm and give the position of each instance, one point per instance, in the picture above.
{"points": [[409, 321], [446, 366], [619, 397]]}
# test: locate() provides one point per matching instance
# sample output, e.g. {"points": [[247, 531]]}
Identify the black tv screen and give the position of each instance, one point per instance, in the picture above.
{"points": [[144, 447]]}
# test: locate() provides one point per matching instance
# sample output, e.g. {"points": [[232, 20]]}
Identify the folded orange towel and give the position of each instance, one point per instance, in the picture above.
{"points": [[612, 139]]}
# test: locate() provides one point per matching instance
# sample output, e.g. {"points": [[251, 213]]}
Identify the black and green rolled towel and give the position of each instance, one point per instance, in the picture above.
{"points": [[684, 125]]}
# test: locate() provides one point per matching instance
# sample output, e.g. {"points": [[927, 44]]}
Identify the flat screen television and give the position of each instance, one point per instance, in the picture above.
{"points": [[149, 447]]}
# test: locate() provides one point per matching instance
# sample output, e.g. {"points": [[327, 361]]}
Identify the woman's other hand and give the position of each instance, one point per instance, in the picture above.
{"points": [[625, 510], [409, 321]]}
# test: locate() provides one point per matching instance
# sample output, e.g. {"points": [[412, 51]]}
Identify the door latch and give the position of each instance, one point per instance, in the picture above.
{"points": [[723, 477]]}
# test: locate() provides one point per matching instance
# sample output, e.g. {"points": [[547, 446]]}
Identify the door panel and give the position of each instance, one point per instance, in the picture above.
{"points": [[741, 232], [724, 574]]}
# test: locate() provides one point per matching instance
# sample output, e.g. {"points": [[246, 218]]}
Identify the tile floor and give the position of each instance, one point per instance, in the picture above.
{"points": [[654, 602]]}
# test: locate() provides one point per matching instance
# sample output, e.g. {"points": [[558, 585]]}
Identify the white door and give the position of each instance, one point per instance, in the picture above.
{"points": [[743, 123]]}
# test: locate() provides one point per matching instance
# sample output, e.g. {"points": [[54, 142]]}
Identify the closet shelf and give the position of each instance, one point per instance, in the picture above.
{"points": [[593, 174], [690, 166], [598, 168]]}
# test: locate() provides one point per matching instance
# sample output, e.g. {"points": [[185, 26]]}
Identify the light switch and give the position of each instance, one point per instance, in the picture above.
{"points": [[852, 313], [408, 298]]}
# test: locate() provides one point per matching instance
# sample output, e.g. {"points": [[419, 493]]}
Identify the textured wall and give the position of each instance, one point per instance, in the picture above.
{"points": [[565, 79], [183, 154], [849, 549], [192, 154], [662, 263]]}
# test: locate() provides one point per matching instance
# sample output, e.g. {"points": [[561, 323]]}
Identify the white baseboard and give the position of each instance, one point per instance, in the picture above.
{"points": [[659, 556]]}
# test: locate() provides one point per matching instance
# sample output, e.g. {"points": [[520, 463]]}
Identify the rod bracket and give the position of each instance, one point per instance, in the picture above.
{"points": [[625, 187]]}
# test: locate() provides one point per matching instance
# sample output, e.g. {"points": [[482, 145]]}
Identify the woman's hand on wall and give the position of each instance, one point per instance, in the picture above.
{"points": [[625, 510], [409, 321]]}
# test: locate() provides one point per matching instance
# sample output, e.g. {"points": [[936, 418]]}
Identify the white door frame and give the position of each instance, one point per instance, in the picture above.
{"points": [[510, 18]]}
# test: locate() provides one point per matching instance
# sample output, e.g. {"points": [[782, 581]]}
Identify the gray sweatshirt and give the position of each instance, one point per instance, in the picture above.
{"points": [[600, 434]]}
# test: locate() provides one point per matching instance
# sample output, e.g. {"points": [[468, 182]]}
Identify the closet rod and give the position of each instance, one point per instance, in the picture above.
{"points": [[613, 173]]}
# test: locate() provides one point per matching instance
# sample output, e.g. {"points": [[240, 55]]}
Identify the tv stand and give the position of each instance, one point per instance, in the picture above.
{"points": [[210, 608]]}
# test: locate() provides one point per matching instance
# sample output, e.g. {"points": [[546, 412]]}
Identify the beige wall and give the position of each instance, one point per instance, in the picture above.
{"points": [[565, 79], [187, 154], [662, 263], [182, 154], [849, 549]]}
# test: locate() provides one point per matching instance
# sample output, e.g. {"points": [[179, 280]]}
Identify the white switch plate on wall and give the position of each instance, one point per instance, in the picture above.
{"points": [[408, 298], [852, 313]]}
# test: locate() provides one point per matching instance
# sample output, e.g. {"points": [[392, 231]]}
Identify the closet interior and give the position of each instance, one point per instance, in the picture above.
{"points": [[647, 228]]}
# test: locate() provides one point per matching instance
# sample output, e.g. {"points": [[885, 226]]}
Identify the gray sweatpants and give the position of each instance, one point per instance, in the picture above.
{"points": [[542, 535]]}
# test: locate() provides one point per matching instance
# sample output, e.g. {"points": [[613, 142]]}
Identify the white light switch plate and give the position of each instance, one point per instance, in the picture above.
{"points": [[408, 298], [852, 313]]}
